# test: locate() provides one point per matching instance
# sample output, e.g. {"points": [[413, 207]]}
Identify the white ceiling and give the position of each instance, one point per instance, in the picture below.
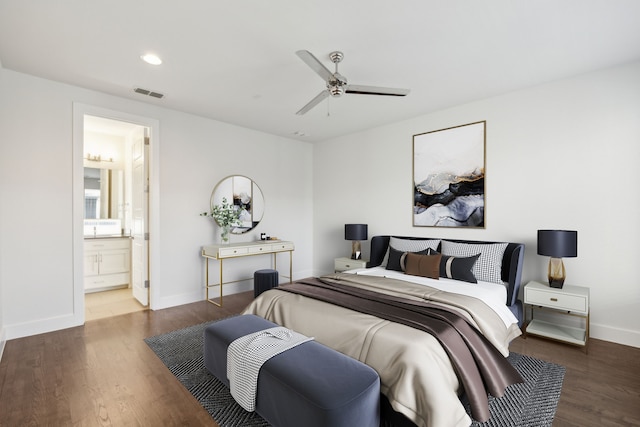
{"points": [[234, 60]]}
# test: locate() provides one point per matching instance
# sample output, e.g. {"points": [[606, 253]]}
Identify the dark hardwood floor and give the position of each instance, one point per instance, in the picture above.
{"points": [[103, 374]]}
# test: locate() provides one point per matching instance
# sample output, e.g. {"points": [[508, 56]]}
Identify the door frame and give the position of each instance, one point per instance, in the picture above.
{"points": [[79, 111]]}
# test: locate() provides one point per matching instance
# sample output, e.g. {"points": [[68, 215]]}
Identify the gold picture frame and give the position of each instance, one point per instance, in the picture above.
{"points": [[449, 177]]}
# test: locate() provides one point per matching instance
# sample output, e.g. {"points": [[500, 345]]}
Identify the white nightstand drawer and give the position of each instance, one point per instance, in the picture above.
{"points": [[569, 298], [556, 300], [343, 264]]}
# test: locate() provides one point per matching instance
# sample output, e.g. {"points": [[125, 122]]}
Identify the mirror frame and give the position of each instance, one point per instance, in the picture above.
{"points": [[244, 187]]}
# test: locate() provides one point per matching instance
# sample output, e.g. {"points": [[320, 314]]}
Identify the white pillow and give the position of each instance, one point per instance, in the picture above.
{"points": [[407, 245], [488, 268]]}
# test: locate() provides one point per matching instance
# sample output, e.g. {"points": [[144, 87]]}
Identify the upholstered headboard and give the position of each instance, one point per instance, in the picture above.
{"points": [[511, 265]]}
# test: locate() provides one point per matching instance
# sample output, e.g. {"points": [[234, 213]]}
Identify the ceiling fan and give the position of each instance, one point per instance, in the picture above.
{"points": [[337, 83]]}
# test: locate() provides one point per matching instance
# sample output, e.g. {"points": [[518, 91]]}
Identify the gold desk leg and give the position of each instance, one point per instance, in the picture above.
{"points": [[207, 284], [220, 305], [275, 266]]}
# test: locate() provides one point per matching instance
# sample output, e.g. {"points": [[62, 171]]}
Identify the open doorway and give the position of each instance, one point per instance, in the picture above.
{"points": [[115, 179], [141, 198]]}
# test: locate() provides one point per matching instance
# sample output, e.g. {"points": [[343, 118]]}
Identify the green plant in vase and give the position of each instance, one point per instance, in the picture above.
{"points": [[226, 215]]}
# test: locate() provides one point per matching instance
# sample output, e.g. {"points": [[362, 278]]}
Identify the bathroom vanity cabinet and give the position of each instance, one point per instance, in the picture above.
{"points": [[107, 263]]}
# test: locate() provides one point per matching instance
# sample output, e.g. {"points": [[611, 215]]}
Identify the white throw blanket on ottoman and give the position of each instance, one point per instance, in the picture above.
{"points": [[247, 354]]}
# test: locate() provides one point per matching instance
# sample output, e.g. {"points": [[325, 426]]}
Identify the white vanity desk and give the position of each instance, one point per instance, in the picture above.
{"points": [[238, 250]]}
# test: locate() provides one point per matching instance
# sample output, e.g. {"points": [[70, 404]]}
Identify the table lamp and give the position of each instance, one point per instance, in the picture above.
{"points": [[355, 233], [557, 244]]}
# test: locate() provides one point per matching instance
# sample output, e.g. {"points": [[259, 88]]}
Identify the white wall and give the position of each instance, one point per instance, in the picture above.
{"points": [[202, 153], [36, 244], [560, 155]]}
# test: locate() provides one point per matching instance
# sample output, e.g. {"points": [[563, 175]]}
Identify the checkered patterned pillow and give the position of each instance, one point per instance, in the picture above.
{"points": [[407, 245], [488, 268]]}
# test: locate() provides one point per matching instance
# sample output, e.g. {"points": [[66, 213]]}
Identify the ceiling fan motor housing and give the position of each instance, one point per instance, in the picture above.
{"points": [[337, 84]]}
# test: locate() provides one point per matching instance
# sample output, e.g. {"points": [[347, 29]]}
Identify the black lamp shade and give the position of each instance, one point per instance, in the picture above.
{"points": [[558, 243], [355, 232]]}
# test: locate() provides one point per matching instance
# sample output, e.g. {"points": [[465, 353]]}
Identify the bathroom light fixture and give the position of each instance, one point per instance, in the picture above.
{"points": [[98, 158], [152, 59]]}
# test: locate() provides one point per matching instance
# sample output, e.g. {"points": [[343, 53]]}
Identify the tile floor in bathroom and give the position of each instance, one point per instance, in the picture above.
{"points": [[99, 305]]}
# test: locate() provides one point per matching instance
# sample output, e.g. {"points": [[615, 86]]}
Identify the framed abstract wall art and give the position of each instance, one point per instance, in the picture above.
{"points": [[448, 177]]}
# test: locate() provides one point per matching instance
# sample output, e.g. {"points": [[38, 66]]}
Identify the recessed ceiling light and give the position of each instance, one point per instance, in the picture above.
{"points": [[152, 59]]}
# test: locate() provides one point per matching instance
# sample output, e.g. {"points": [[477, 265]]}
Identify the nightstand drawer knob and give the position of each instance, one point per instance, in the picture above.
{"points": [[554, 299]]}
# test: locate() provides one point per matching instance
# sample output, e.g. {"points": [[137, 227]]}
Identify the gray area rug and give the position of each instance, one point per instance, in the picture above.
{"points": [[532, 404]]}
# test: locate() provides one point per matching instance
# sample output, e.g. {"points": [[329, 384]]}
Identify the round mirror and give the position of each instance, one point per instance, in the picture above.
{"points": [[245, 196]]}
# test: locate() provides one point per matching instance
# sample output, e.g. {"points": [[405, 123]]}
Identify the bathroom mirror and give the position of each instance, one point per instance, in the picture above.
{"points": [[103, 193], [243, 194]]}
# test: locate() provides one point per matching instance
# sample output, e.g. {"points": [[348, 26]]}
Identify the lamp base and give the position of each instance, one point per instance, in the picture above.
{"points": [[556, 283], [356, 250], [556, 274]]}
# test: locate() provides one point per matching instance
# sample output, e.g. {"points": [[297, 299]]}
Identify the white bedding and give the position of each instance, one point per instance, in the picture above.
{"points": [[492, 294]]}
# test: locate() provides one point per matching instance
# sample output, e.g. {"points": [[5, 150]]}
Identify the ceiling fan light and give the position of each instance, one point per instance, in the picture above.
{"points": [[336, 90]]}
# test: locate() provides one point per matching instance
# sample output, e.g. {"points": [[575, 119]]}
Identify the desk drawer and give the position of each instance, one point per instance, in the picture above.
{"points": [[260, 249], [282, 246], [231, 252], [560, 301]]}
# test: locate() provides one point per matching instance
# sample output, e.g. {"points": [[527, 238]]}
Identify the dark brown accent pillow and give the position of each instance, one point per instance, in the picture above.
{"points": [[423, 265], [396, 260]]}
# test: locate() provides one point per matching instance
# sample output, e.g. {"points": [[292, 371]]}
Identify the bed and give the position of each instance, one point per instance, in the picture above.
{"points": [[376, 315]]}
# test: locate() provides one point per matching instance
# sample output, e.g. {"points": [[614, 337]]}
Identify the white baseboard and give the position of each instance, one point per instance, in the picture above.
{"points": [[41, 326], [3, 341], [617, 335], [227, 289], [307, 273]]}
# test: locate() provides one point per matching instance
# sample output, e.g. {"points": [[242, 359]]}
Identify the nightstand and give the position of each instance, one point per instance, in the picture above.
{"points": [[343, 264], [568, 301]]}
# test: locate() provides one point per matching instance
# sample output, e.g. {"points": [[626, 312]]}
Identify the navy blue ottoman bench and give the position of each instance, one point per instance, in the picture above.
{"points": [[309, 385]]}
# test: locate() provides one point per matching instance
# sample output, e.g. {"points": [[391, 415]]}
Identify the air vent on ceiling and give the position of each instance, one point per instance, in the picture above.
{"points": [[148, 92]]}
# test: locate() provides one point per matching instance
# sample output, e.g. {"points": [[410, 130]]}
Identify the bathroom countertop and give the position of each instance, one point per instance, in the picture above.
{"points": [[107, 236]]}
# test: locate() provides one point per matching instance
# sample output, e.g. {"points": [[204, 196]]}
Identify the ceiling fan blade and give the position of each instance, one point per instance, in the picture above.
{"points": [[375, 90], [315, 65], [315, 101]]}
